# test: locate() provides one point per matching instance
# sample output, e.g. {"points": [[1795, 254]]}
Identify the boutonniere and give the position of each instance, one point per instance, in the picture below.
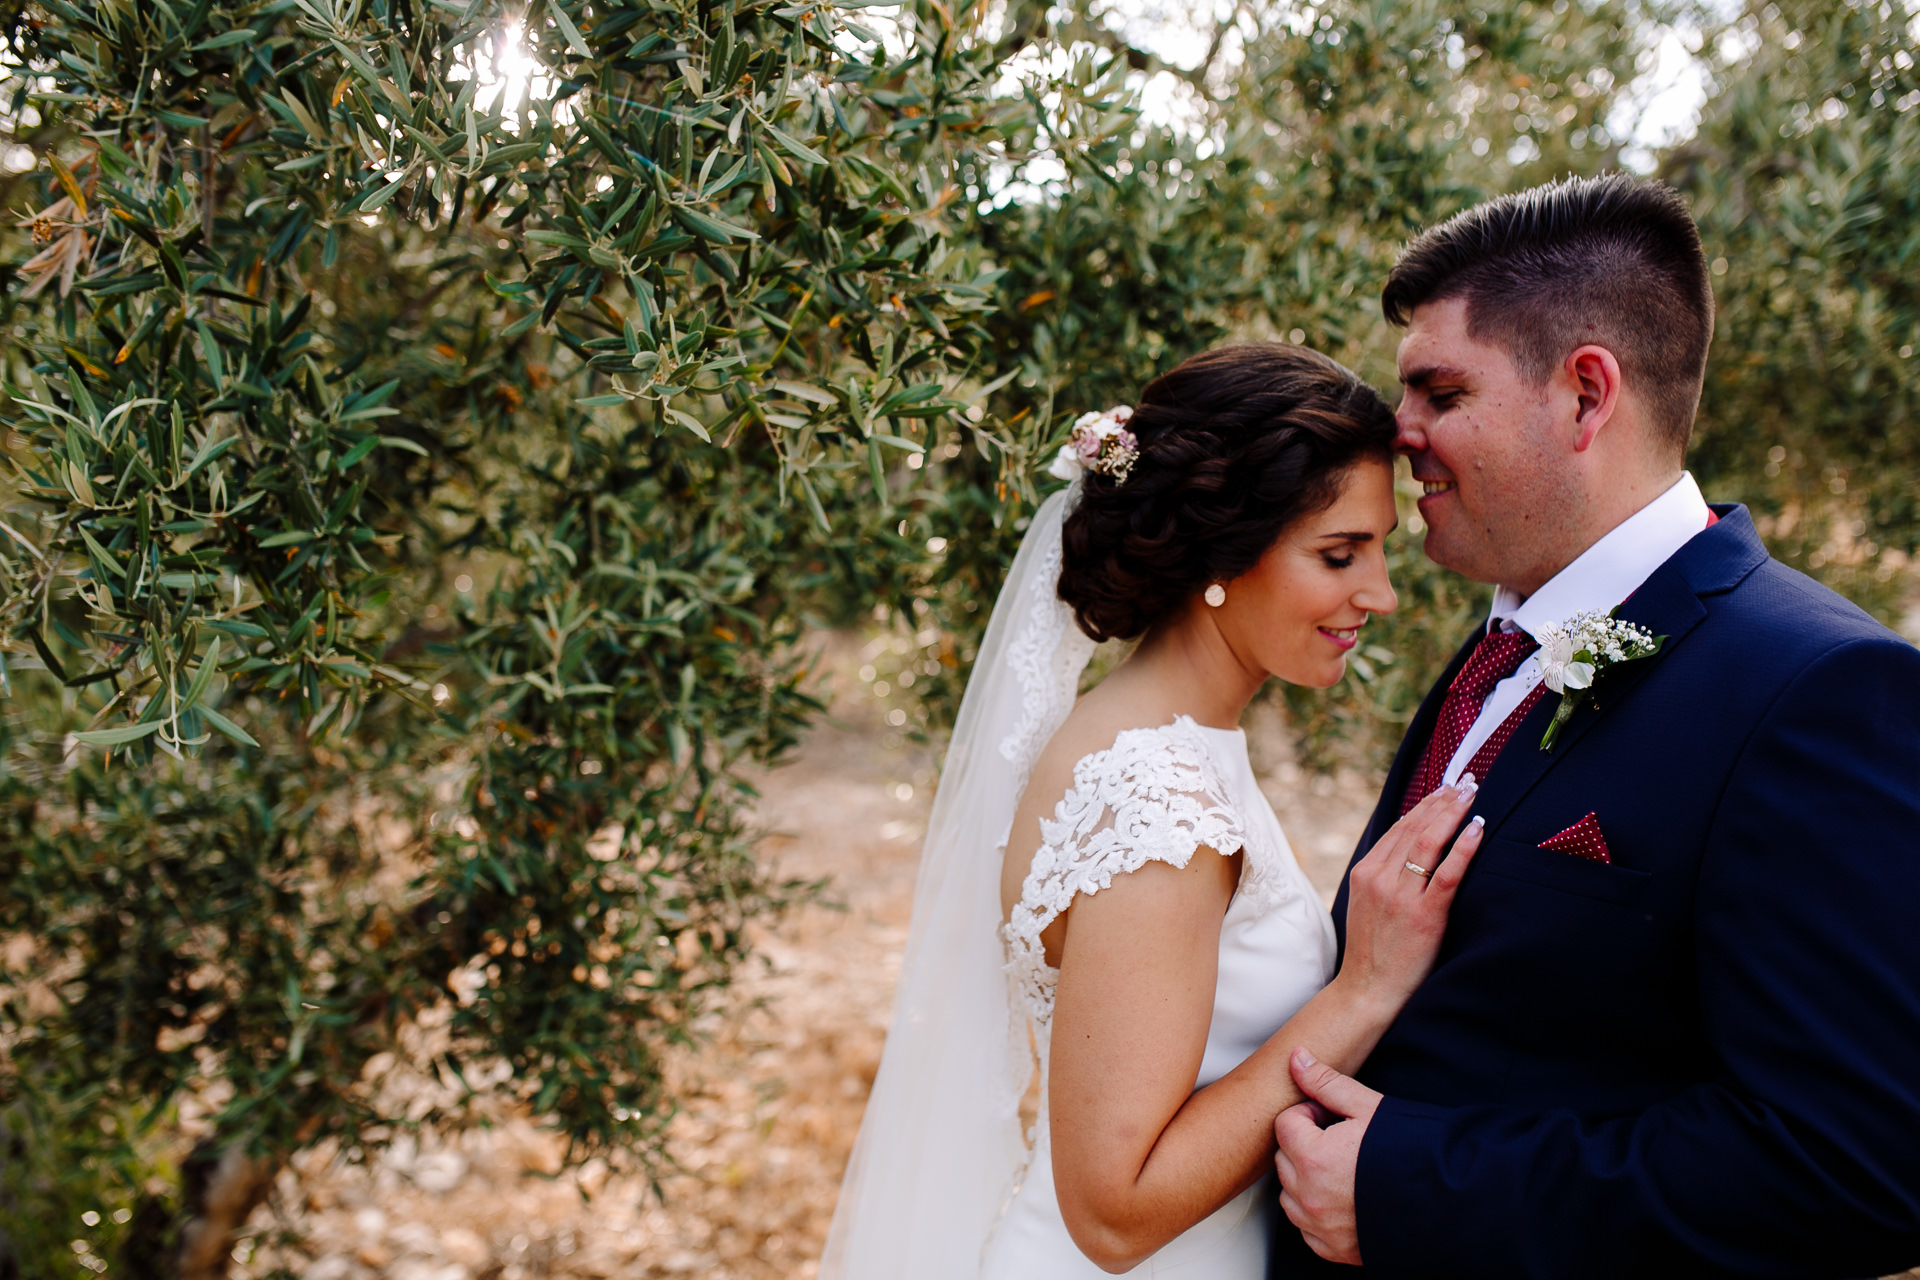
{"points": [[1574, 653]]}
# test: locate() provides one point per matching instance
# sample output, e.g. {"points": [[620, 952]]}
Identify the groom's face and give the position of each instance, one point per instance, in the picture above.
{"points": [[1482, 440]]}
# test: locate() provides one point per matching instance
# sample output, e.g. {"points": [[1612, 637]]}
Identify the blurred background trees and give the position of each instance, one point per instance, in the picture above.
{"points": [[433, 427], [1805, 177]]}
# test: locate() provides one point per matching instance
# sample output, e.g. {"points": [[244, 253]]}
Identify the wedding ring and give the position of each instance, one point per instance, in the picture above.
{"points": [[1422, 872]]}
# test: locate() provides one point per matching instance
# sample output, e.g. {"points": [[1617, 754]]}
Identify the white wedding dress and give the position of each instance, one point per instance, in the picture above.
{"points": [[1158, 795], [943, 1184]]}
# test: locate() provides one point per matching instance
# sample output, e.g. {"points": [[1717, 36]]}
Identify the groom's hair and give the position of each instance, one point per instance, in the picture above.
{"points": [[1612, 260]]}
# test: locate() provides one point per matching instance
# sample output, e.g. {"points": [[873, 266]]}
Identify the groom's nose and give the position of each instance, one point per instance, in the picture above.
{"points": [[1409, 437]]}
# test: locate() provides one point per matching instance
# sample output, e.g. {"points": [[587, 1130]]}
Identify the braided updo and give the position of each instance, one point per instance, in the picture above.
{"points": [[1236, 444]]}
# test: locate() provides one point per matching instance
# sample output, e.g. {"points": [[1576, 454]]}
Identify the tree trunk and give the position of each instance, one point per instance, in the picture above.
{"points": [[222, 1188]]}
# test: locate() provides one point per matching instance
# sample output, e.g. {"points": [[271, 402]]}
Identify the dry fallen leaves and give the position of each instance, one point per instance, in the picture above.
{"points": [[770, 1105]]}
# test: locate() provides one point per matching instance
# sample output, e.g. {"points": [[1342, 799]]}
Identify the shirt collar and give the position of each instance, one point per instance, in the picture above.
{"points": [[1611, 569]]}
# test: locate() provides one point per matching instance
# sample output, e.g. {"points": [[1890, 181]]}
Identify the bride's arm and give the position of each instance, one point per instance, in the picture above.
{"points": [[1138, 1155]]}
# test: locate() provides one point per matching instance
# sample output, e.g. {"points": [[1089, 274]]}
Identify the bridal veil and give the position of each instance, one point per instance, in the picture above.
{"points": [[940, 1147]]}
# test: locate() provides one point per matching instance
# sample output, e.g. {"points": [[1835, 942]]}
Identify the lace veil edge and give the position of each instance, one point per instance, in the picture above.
{"points": [[940, 1150]]}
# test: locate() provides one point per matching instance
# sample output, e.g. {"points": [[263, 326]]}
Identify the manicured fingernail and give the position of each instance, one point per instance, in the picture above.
{"points": [[1478, 821]]}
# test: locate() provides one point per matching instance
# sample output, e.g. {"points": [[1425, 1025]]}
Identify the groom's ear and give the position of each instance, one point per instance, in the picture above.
{"points": [[1595, 377]]}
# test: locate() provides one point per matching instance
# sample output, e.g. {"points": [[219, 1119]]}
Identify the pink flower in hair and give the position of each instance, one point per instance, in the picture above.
{"points": [[1100, 444]]}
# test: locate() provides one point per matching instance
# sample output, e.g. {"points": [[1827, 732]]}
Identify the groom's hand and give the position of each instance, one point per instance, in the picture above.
{"points": [[1319, 1152]]}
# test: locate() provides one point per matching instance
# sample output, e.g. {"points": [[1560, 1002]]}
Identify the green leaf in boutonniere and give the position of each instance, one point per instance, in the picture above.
{"points": [[1574, 653]]}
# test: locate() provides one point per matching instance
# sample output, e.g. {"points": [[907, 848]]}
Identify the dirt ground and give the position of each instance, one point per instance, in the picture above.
{"points": [[770, 1106]]}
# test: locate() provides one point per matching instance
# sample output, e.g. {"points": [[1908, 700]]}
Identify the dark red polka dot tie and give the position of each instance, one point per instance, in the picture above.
{"points": [[1495, 658]]}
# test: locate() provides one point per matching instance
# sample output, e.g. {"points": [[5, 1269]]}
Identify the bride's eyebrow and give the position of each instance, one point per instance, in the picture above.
{"points": [[1346, 537]]}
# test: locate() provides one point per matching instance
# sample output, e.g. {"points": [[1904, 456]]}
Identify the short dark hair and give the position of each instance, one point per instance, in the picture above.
{"points": [[1236, 444], [1611, 260]]}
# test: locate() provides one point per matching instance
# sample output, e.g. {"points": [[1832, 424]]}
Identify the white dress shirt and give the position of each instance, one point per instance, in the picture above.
{"points": [[1605, 574]]}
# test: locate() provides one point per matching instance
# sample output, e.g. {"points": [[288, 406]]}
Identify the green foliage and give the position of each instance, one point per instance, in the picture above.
{"points": [[417, 496], [64, 1163], [421, 477], [1345, 129], [666, 213], [1805, 177]]}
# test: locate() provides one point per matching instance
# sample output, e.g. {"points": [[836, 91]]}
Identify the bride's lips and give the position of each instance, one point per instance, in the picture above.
{"points": [[1344, 637]]}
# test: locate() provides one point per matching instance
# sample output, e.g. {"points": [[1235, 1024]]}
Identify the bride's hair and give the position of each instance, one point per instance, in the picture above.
{"points": [[1236, 444]]}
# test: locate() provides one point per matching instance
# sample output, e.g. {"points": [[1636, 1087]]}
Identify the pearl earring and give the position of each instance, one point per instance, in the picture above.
{"points": [[1216, 595]]}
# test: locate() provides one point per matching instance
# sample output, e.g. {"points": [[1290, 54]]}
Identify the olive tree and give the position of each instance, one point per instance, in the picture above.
{"points": [[431, 427], [419, 473], [1340, 131], [1805, 176]]}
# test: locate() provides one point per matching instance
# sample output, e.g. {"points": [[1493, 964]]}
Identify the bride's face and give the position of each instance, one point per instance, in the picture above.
{"points": [[1299, 611]]}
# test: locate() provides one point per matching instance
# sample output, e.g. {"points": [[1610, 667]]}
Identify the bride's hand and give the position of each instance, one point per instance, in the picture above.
{"points": [[1398, 897]]}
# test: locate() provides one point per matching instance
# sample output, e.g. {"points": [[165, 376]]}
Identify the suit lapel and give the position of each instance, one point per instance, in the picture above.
{"points": [[1387, 811], [1407, 758], [1668, 604]]}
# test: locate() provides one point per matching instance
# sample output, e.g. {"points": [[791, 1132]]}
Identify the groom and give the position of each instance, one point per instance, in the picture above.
{"points": [[1675, 1027]]}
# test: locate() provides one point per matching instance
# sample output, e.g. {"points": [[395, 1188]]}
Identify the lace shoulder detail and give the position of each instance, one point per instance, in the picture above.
{"points": [[1155, 795]]}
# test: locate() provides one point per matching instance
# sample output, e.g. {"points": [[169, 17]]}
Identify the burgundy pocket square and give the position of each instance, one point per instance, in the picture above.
{"points": [[1582, 840]]}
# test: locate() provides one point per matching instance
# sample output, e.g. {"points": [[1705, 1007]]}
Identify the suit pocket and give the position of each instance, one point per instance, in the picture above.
{"points": [[1551, 869]]}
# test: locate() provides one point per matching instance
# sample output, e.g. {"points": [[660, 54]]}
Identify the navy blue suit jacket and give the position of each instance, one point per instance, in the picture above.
{"points": [[1703, 1059]]}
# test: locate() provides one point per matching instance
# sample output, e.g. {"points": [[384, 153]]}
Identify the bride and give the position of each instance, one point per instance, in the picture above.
{"points": [[1105, 891]]}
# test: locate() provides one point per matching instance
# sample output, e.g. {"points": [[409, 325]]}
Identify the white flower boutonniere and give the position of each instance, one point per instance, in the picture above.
{"points": [[1574, 653]]}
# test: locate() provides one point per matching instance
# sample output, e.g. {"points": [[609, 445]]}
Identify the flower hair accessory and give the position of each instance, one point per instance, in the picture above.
{"points": [[1100, 443]]}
